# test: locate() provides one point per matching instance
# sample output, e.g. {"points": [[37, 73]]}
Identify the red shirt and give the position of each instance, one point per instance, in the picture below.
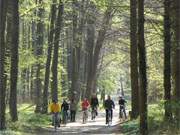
{"points": [[85, 104]]}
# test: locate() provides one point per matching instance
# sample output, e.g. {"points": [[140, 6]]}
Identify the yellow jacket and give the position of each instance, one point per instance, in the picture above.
{"points": [[54, 108]]}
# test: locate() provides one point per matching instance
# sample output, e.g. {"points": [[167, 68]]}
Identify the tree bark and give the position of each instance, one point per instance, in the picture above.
{"points": [[14, 15], [74, 80], [142, 70], [3, 6], [134, 61], [96, 52], [177, 59], [167, 60], [48, 61], [38, 54], [56, 51]]}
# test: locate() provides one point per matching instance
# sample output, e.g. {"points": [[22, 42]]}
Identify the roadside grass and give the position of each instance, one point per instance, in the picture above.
{"points": [[28, 121], [156, 123]]}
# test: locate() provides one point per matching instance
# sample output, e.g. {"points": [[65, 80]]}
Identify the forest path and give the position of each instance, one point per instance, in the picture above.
{"points": [[97, 127]]}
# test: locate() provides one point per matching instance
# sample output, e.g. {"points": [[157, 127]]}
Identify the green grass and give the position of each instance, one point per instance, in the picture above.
{"points": [[156, 123], [28, 121], [130, 128]]}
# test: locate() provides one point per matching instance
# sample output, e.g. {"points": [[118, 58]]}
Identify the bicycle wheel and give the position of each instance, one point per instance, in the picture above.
{"points": [[109, 117], [84, 117], [55, 122], [93, 114]]}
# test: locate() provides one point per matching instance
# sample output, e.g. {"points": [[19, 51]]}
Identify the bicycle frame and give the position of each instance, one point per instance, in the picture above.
{"points": [[109, 117], [85, 116], [93, 113], [55, 121]]}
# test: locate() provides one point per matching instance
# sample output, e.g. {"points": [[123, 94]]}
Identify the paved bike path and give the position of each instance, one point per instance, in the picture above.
{"points": [[92, 127]]}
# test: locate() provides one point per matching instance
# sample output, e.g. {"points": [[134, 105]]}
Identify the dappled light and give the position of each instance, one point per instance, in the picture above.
{"points": [[78, 67]]}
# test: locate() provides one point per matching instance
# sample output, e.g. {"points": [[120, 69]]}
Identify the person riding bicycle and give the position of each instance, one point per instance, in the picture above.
{"points": [[122, 109], [109, 106], [55, 110], [64, 108], [85, 105], [94, 104]]}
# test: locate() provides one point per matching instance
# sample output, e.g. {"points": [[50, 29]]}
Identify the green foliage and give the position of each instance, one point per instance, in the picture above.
{"points": [[130, 127], [28, 120]]}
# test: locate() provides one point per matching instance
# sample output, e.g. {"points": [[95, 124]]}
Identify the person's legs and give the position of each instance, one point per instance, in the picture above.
{"points": [[71, 113], [74, 116], [106, 116], [121, 111], [124, 110], [53, 119], [111, 114]]}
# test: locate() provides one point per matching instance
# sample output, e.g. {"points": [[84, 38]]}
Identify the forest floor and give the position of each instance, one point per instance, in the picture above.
{"points": [[91, 127]]}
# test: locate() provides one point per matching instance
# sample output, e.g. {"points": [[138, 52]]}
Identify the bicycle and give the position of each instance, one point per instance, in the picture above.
{"points": [[56, 121], [109, 121], [121, 111], [93, 113], [85, 116], [65, 117]]}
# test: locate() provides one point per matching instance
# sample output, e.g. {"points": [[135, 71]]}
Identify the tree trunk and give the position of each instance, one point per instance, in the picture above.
{"points": [[3, 6], [56, 51], [38, 54], [14, 15], [48, 61], [122, 87], [142, 70], [90, 47], [74, 94], [167, 60], [97, 49], [177, 59], [134, 62]]}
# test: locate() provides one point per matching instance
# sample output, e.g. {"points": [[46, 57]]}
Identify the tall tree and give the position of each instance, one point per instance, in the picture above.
{"points": [[49, 53], [96, 51], [142, 70], [75, 75], [3, 6], [38, 54], [134, 62], [54, 68], [14, 41], [177, 58], [167, 59], [90, 43]]}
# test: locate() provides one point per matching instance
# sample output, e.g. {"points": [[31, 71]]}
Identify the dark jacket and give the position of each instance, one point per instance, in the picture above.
{"points": [[94, 102], [122, 101], [65, 106], [109, 104]]}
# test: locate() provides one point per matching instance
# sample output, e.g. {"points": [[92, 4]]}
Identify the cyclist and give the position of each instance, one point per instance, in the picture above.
{"points": [[85, 105], [94, 104], [55, 110], [122, 109], [109, 106], [65, 108]]}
